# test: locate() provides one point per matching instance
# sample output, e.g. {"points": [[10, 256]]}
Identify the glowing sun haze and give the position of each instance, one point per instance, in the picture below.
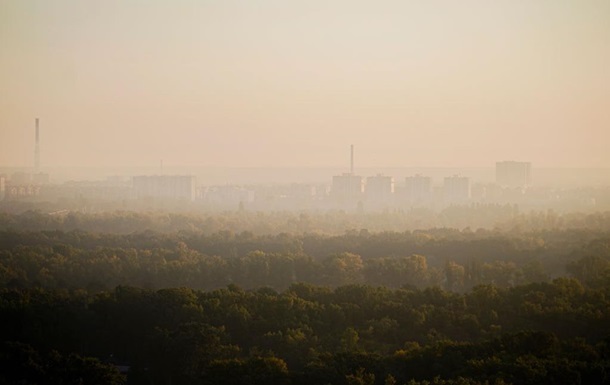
{"points": [[294, 83]]}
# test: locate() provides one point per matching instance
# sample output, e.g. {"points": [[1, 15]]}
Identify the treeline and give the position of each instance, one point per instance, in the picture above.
{"points": [[500, 217], [452, 259], [539, 333]]}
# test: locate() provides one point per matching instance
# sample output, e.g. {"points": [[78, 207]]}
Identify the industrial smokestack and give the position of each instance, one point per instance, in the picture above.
{"points": [[37, 149], [351, 168]]}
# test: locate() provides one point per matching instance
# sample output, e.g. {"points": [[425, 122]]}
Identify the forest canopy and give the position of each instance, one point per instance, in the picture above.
{"points": [[84, 298]]}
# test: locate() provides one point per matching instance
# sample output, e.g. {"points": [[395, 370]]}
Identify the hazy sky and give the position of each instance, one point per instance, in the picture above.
{"points": [[294, 83]]}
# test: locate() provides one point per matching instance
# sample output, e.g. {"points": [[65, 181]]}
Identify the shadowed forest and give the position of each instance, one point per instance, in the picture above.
{"points": [[204, 299]]}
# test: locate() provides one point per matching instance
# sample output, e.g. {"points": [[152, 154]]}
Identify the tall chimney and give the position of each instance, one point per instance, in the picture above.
{"points": [[37, 149], [351, 168]]}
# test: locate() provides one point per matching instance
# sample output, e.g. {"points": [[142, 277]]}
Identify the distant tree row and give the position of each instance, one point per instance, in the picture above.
{"points": [[451, 259], [160, 268], [502, 217]]}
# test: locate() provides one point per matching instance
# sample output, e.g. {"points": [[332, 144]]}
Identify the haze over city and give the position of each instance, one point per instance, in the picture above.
{"points": [[289, 192], [292, 84]]}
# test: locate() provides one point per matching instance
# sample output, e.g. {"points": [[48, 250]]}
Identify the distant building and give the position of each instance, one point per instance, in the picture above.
{"points": [[20, 191], [20, 186], [456, 189], [513, 174], [418, 188], [379, 188], [347, 186], [181, 187]]}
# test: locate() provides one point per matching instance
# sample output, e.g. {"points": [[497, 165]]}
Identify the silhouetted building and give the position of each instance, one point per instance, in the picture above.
{"points": [[164, 186], [418, 188], [513, 174], [20, 186], [347, 186], [379, 188], [19, 191], [456, 189]]}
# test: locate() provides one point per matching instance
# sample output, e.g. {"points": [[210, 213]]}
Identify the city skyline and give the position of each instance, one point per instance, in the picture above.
{"points": [[274, 84]]}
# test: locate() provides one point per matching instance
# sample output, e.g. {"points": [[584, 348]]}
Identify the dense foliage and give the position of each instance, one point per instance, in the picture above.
{"points": [[452, 259], [183, 305], [539, 333]]}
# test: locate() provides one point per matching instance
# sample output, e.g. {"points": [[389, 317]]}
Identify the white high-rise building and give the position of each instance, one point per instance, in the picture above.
{"points": [[347, 186], [379, 188], [456, 189], [418, 188]]}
